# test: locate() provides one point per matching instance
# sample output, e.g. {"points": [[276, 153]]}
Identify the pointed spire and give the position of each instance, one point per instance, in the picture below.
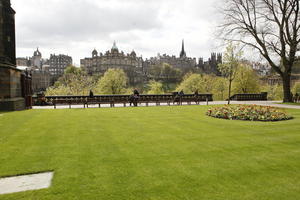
{"points": [[182, 53]]}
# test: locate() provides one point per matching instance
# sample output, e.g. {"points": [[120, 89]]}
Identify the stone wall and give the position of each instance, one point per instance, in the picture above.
{"points": [[10, 89]]}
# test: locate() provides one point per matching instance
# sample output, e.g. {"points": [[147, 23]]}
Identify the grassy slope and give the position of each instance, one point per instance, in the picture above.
{"points": [[151, 153]]}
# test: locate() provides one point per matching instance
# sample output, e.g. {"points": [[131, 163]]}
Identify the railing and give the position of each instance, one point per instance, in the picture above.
{"points": [[122, 99], [250, 97]]}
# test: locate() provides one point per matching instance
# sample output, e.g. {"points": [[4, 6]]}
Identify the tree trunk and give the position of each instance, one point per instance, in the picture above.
{"points": [[286, 80], [229, 91]]}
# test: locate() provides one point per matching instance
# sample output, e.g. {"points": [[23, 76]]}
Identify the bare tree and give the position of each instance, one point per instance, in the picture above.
{"points": [[272, 27]]}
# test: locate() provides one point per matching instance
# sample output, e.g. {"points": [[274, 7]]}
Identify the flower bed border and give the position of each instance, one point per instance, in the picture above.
{"points": [[249, 113]]}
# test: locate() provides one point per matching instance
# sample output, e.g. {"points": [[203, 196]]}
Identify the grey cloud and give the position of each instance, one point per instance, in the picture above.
{"points": [[148, 26], [84, 20]]}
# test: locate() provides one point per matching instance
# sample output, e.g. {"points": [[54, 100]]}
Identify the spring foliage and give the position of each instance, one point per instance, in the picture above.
{"points": [[155, 87], [114, 81]]}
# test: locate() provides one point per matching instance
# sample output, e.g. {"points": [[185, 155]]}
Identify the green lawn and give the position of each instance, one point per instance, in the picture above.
{"points": [[151, 153]]}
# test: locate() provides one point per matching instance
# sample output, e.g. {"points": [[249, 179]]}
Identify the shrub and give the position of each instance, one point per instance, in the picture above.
{"points": [[248, 112]]}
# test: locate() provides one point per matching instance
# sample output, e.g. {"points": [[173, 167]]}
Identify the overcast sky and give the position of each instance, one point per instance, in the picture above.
{"points": [[76, 27]]}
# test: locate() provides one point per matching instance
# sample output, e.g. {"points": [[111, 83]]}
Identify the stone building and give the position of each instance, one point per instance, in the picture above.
{"points": [[39, 69], [44, 71], [7, 33], [58, 64], [99, 63], [41, 79], [211, 66], [182, 62], [24, 62], [36, 59], [14, 86]]}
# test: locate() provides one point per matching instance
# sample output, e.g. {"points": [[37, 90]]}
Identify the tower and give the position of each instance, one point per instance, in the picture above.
{"points": [[114, 49], [15, 87], [94, 53], [213, 58], [182, 53], [219, 58], [37, 59], [7, 33]]}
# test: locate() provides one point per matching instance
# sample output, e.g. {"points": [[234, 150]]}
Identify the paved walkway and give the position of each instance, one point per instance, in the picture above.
{"points": [[263, 103]]}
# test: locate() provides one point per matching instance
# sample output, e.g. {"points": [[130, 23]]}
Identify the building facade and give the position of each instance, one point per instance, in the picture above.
{"points": [[13, 83], [182, 62], [138, 70], [58, 64], [100, 63], [211, 66], [44, 71], [36, 59], [7, 33], [41, 79], [23, 62]]}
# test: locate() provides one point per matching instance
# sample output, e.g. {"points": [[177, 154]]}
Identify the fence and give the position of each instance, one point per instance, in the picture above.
{"points": [[250, 97], [121, 99]]}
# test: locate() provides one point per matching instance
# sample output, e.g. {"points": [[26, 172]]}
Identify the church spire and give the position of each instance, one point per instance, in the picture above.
{"points": [[182, 53]]}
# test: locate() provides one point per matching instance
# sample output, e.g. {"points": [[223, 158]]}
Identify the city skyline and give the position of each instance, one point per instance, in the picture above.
{"points": [[148, 28]]}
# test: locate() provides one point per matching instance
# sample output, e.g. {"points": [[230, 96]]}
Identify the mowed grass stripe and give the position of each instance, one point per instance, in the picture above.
{"points": [[151, 153]]}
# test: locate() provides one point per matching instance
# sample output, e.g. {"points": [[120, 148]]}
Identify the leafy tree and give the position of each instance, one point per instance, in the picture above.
{"points": [[271, 27], [246, 80], [230, 65], [73, 82], [58, 90], [114, 81], [155, 87], [208, 82], [192, 83], [220, 88]]}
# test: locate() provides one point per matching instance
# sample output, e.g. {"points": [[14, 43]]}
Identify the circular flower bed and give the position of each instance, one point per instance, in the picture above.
{"points": [[248, 112]]}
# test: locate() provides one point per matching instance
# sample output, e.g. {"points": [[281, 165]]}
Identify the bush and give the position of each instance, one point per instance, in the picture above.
{"points": [[248, 112]]}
